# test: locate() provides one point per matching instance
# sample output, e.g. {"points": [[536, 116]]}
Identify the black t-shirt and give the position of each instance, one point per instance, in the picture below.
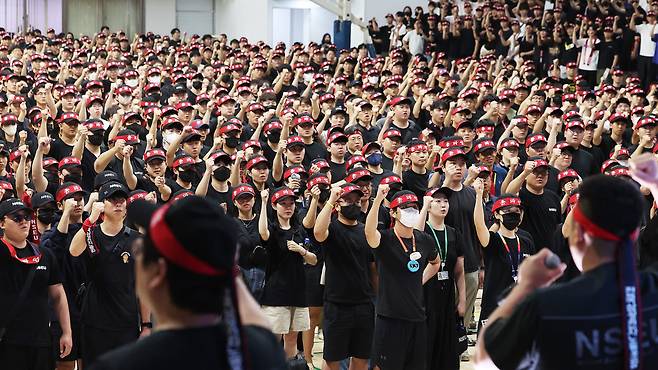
{"points": [[29, 326], [415, 182], [194, 348], [583, 163], [285, 279], [338, 171], [88, 171], [501, 266], [222, 198], [575, 325], [59, 149], [347, 263], [387, 163], [401, 290], [311, 152], [462, 204], [541, 215], [110, 300]]}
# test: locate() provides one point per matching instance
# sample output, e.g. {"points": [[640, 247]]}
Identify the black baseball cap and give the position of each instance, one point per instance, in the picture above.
{"points": [[12, 205], [39, 200], [110, 189], [104, 177], [193, 226]]}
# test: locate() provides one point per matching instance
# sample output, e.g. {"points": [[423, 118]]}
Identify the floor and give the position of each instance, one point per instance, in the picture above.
{"points": [[317, 347]]}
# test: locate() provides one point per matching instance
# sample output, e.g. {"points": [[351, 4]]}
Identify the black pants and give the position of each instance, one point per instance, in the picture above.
{"points": [[399, 344], [96, 342], [25, 357], [646, 71]]}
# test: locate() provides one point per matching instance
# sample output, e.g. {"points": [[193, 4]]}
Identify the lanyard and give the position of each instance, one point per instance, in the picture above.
{"points": [[413, 242], [442, 253], [31, 260], [515, 269]]}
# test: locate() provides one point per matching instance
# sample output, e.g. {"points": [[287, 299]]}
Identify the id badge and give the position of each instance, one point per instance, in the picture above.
{"points": [[443, 275]]}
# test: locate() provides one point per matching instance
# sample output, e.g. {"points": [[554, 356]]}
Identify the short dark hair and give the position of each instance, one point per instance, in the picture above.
{"points": [[174, 30]]}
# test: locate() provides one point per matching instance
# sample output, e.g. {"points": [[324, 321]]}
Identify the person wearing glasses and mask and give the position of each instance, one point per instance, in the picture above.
{"points": [[25, 341]]}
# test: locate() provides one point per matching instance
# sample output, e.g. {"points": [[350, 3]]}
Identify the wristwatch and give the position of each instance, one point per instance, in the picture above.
{"points": [[147, 325]]}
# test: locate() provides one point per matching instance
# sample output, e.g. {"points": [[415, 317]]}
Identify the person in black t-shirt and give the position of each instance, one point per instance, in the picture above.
{"points": [[284, 298], [541, 206], [581, 324], [348, 309], [406, 259], [503, 247], [26, 342], [415, 178], [205, 317], [110, 311]]}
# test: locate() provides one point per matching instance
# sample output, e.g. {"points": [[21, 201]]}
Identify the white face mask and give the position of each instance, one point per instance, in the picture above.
{"points": [[409, 217], [10, 129], [373, 80], [168, 138], [132, 83], [154, 80], [308, 77], [635, 118], [92, 76], [125, 100]]}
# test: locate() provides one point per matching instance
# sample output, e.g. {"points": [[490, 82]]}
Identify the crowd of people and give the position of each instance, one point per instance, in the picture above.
{"points": [[369, 196]]}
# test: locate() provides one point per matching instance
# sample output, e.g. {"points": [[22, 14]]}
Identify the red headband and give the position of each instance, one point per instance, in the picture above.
{"points": [[167, 244], [506, 202], [402, 199], [127, 138], [71, 189]]}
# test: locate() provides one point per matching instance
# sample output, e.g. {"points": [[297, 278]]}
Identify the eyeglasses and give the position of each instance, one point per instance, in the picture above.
{"points": [[20, 217]]}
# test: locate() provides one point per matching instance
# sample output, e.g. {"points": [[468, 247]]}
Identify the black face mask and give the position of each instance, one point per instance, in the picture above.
{"points": [[139, 130], [221, 173], [197, 84], [188, 176], [274, 137], [53, 74], [351, 212], [156, 96], [231, 142], [73, 177], [46, 215], [96, 139], [511, 220], [324, 195]]}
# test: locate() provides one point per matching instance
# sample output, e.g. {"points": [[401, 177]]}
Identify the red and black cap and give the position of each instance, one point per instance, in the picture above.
{"points": [[391, 133], [337, 137], [539, 162], [436, 191], [349, 188], [155, 153], [295, 141], [451, 142], [319, 179], [567, 175], [402, 198], [398, 100], [255, 161], [135, 195], [358, 174], [68, 118], [183, 160], [354, 160], [68, 162], [483, 144], [373, 145], [298, 169], [67, 190], [452, 153], [128, 136], [320, 163], [506, 200], [282, 193], [242, 189], [534, 139]]}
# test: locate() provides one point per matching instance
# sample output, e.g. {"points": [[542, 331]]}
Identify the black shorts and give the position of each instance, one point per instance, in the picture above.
{"points": [[348, 331], [56, 333], [96, 342], [314, 290], [399, 344], [25, 357]]}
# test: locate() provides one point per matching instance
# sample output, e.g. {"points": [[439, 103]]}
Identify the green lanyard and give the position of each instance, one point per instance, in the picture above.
{"points": [[442, 253]]}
